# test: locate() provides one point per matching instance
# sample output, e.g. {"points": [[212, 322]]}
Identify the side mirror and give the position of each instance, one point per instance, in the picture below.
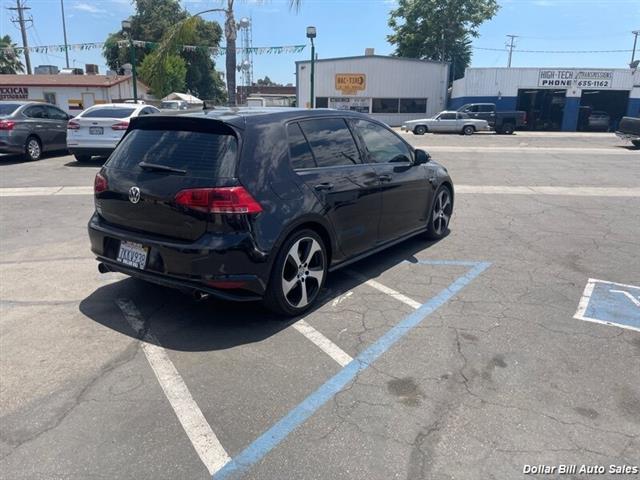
{"points": [[421, 157]]}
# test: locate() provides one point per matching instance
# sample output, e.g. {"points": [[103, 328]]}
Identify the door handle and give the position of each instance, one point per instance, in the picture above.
{"points": [[324, 186], [384, 178]]}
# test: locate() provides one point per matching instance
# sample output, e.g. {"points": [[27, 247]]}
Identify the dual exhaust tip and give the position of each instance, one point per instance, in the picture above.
{"points": [[198, 295]]}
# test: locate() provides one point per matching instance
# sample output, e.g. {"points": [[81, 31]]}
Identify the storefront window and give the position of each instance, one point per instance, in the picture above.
{"points": [[413, 105], [322, 102], [385, 105]]}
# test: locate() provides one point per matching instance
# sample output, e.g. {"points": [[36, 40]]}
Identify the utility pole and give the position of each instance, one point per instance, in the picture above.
{"points": [[511, 46], [23, 29], [64, 31], [635, 41]]}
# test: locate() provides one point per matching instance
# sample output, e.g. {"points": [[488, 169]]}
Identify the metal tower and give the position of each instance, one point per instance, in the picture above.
{"points": [[246, 64]]}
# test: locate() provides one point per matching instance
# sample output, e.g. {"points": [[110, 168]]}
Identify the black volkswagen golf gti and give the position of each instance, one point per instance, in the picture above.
{"points": [[261, 204]]}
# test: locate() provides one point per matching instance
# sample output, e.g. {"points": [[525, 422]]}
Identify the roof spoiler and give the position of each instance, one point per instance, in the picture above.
{"points": [[193, 124]]}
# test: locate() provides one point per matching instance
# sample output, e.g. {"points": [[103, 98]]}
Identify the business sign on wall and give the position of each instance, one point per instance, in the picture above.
{"points": [[350, 83], [354, 104], [575, 78], [14, 93]]}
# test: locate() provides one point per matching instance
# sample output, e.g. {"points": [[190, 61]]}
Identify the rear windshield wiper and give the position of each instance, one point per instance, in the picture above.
{"points": [[160, 168]]}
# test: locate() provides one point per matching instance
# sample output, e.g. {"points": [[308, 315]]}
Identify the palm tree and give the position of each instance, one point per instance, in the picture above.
{"points": [[184, 30], [9, 61]]}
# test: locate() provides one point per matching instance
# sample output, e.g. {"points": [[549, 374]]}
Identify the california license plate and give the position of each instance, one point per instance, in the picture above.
{"points": [[96, 131], [132, 254]]}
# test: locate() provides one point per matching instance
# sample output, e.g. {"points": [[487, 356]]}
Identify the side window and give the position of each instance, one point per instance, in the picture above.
{"points": [[447, 116], [56, 114], [486, 108], [322, 102], [299, 150], [35, 112], [473, 109], [331, 142], [382, 145]]}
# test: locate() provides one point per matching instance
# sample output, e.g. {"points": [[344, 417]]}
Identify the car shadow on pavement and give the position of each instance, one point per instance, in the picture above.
{"points": [[15, 158], [94, 162], [176, 321]]}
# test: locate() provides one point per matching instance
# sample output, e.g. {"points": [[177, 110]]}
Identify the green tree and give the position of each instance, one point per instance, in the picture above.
{"points": [[439, 29], [9, 60], [266, 82], [152, 20], [173, 78], [185, 29]]}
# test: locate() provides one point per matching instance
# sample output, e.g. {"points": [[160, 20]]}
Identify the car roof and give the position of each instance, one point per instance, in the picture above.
{"points": [[242, 117], [118, 105]]}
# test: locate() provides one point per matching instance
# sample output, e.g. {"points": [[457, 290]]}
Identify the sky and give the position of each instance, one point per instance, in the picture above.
{"points": [[347, 27]]}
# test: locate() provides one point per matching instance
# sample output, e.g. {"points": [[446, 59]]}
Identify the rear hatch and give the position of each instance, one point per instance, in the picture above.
{"points": [[102, 124], [160, 157]]}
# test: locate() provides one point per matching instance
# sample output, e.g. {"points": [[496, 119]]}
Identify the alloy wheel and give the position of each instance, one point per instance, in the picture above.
{"points": [[442, 212], [33, 149], [303, 272]]}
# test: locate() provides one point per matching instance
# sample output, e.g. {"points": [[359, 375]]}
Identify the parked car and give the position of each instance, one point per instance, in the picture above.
{"points": [[98, 129], [446, 122], [501, 121], [261, 204], [174, 105], [598, 121], [31, 128], [629, 129]]}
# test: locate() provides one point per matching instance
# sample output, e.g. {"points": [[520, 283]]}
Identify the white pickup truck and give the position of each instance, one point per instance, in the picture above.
{"points": [[446, 122]]}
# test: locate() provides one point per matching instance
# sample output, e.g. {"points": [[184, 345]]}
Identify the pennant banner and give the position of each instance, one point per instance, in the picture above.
{"points": [[214, 51]]}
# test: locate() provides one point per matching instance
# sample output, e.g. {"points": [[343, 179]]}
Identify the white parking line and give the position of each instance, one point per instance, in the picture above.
{"points": [[44, 191], [384, 289], [204, 441], [549, 190], [326, 345]]}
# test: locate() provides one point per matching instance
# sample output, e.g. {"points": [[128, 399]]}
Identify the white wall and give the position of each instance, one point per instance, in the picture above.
{"points": [[386, 77]]}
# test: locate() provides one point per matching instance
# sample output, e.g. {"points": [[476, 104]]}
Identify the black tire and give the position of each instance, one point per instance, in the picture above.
{"points": [[301, 273], [508, 128], [82, 158], [32, 149], [420, 130], [636, 143], [438, 225], [468, 130]]}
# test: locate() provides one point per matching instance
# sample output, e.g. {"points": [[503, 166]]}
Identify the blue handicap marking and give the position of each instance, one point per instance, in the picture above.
{"points": [[610, 303]]}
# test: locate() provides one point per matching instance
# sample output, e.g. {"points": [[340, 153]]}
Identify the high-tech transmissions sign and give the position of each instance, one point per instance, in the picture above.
{"points": [[556, 78]]}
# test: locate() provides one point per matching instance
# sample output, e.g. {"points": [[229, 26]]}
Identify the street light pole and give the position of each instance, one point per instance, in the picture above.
{"points": [[126, 26], [64, 32], [311, 34]]}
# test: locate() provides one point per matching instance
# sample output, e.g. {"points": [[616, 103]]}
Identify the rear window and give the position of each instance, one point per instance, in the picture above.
{"points": [[109, 113], [8, 109], [200, 154]]}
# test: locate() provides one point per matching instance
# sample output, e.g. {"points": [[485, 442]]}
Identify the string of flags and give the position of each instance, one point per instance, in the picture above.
{"points": [[214, 51]]}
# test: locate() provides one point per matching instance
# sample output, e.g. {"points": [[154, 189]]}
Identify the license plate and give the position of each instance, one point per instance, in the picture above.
{"points": [[96, 131], [132, 254]]}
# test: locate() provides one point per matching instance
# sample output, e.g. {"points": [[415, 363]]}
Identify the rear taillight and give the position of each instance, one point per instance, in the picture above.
{"points": [[73, 125], [100, 183], [218, 200], [120, 126], [7, 124]]}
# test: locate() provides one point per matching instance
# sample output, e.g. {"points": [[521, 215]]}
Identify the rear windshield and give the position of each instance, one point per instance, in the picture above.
{"points": [[8, 109], [109, 113], [200, 154], [173, 105]]}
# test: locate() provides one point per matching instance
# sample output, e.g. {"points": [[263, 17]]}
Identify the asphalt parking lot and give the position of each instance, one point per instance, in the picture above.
{"points": [[513, 341]]}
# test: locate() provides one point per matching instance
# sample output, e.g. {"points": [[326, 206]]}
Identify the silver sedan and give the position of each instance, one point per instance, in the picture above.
{"points": [[446, 122]]}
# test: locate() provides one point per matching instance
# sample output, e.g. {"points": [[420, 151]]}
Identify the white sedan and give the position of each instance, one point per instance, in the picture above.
{"points": [[447, 121], [98, 129]]}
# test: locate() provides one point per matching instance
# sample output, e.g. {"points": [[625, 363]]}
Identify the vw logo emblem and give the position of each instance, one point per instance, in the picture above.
{"points": [[134, 194]]}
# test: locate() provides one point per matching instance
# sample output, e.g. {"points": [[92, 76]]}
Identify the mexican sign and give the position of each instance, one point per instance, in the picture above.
{"points": [[350, 83], [14, 93], [555, 78]]}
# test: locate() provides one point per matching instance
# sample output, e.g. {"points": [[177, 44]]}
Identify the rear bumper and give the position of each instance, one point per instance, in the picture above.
{"points": [[226, 266], [90, 151], [10, 142]]}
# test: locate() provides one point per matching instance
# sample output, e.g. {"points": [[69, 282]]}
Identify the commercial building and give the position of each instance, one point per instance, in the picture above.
{"points": [[72, 93], [566, 99], [391, 89]]}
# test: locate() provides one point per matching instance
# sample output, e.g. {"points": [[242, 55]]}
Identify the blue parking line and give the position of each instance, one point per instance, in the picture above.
{"points": [[279, 431]]}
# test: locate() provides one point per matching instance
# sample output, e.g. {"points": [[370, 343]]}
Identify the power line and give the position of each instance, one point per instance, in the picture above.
{"points": [[550, 51]]}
